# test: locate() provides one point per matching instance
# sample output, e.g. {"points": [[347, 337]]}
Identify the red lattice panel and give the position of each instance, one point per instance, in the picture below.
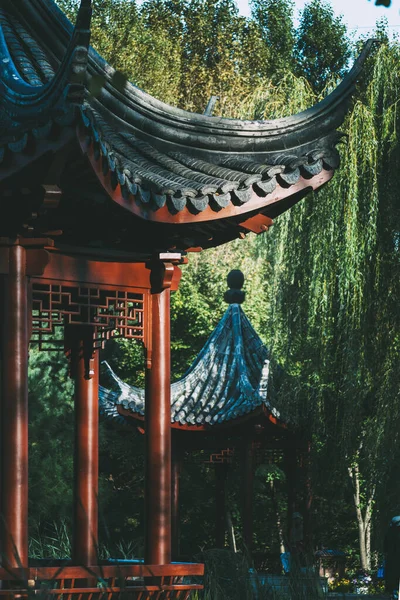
{"points": [[111, 312]]}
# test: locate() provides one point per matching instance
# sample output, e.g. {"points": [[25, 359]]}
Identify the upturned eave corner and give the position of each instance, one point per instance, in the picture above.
{"points": [[31, 101]]}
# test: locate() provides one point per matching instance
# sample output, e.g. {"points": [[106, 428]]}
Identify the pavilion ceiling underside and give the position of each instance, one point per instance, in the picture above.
{"points": [[228, 379], [157, 162]]}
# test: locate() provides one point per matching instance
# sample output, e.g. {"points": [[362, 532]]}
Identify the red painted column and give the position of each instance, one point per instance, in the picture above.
{"points": [[248, 485], [85, 370], [176, 476], [158, 425], [14, 417]]}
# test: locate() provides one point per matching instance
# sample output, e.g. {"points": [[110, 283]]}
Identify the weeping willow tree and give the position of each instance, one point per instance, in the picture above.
{"points": [[334, 287]]}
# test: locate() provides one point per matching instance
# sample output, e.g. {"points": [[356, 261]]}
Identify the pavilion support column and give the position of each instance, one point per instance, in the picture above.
{"points": [[221, 472], [248, 494], [14, 411], [85, 372], [158, 530], [177, 460]]}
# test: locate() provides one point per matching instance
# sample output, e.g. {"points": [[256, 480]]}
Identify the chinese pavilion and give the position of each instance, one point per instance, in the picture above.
{"points": [[102, 195], [223, 405]]}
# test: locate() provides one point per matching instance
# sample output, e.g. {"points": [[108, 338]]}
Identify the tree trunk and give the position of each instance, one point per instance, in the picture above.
{"points": [[361, 537], [363, 520], [231, 532], [368, 527], [368, 544]]}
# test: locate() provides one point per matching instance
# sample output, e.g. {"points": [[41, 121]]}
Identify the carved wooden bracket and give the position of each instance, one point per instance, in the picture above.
{"points": [[164, 274]]}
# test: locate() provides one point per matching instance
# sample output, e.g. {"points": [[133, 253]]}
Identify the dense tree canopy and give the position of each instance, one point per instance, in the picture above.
{"points": [[322, 49], [185, 51], [275, 20]]}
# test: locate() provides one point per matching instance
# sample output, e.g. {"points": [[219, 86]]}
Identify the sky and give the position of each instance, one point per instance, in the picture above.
{"points": [[359, 15]]}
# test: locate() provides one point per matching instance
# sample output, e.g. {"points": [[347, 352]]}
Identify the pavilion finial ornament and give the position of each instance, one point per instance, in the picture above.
{"points": [[235, 294]]}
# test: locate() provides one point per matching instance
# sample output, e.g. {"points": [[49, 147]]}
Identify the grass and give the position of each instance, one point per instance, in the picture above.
{"points": [[54, 541]]}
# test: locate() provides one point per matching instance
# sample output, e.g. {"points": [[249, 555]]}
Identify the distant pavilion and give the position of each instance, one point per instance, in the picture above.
{"points": [[222, 403]]}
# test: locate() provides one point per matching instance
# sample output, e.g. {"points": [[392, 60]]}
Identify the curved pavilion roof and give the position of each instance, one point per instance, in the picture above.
{"points": [[146, 174], [228, 380]]}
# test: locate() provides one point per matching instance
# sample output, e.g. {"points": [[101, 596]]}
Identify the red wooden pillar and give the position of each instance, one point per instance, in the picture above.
{"points": [[158, 422], [14, 417], [176, 475], [85, 371], [221, 471], [248, 485]]}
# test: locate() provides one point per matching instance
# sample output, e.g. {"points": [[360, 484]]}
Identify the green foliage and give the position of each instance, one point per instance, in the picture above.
{"points": [[185, 51], [121, 494], [270, 473], [51, 426], [127, 358], [322, 46], [334, 321], [275, 19], [222, 55]]}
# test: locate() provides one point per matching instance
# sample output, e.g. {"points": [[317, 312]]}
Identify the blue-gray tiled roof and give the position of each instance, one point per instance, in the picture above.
{"points": [[228, 379]]}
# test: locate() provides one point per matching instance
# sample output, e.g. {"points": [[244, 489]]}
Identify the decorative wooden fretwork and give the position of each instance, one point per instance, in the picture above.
{"points": [[223, 457], [111, 312]]}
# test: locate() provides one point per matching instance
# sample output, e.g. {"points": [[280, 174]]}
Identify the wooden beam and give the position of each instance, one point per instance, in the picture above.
{"points": [[80, 269]]}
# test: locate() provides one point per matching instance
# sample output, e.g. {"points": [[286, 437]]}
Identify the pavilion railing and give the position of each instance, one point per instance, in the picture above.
{"points": [[125, 582]]}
